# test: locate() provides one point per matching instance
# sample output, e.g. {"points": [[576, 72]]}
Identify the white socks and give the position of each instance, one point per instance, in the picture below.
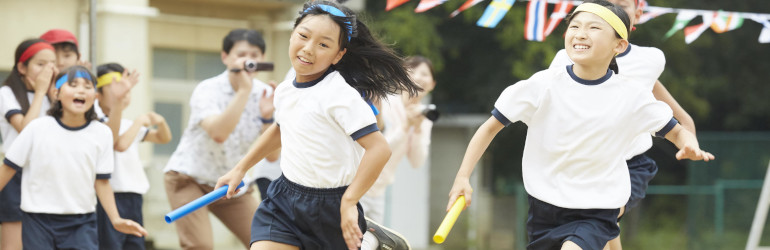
{"points": [[370, 242]]}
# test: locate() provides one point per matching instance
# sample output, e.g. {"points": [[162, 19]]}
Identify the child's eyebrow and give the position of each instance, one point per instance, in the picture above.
{"points": [[322, 37]]}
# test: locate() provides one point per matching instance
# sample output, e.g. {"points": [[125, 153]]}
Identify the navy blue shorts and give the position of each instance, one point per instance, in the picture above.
{"points": [[10, 200], [57, 231], [641, 169], [262, 184], [306, 217], [549, 226], [129, 207]]}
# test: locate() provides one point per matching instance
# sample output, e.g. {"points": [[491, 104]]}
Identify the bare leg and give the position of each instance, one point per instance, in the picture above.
{"points": [[271, 245], [11, 235], [569, 245]]}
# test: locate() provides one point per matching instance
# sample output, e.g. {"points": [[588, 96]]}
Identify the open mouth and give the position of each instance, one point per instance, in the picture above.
{"points": [[79, 101], [304, 60], [581, 47]]}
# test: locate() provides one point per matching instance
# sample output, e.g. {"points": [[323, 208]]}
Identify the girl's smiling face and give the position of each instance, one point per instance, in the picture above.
{"points": [[314, 46], [590, 40], [77, 96], [36, 65]]}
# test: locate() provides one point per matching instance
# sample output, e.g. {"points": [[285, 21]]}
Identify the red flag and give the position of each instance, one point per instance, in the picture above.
{"points": [[559, 12], [465, 6], [394, 3], [427, 4]]}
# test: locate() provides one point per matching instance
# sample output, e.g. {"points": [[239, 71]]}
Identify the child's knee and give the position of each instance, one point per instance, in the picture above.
{"points": [[569, 245]]}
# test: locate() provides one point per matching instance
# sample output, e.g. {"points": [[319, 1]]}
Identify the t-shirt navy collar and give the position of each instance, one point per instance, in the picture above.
{"points": [[72, 128], [628, 50], [588, 82], [313, 82]]}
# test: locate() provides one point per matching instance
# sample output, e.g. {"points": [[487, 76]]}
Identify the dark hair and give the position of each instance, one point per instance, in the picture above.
{"points": [[253, 37], [107, 68], [369, 66], [15, 80], [67, 46], [56, 107], [414, 61], [618, 12]]}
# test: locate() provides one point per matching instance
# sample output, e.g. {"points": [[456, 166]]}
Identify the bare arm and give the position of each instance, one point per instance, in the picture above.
{"points": [[377, 152], [127, 138], [162, 134], [219, 126], [419, 144], [661, 93], [687, 144], [107, 200], [41, 85], [478, 144], [6, 173], [266, 144], [275, 154]]}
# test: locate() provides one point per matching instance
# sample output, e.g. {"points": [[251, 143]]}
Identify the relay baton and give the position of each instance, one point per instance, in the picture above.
{"points": [[198, 203], [449, 220]]}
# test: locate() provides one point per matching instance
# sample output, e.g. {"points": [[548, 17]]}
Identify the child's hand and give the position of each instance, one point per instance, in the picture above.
{"points": [[349, 223], [242, 79], [266, 107], [232, 178], [693, 153], [155, 118], [43, 80], [144, 120], [462, 187], [129, 227], [414, 116]]}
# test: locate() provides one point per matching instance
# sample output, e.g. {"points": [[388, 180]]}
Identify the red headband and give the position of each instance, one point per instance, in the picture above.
{"points": [[32, 50]]}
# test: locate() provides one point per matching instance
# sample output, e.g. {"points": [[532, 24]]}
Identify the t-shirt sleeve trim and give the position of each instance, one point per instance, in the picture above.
{"points": [[11, 113], [146, 132], [669, 126], [103, 176], [11, 164], [365, 131], [500, 117]]}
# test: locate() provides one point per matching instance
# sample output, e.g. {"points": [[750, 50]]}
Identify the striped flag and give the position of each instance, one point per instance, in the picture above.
{"points": [[682, 19], [559, 12], [465, 6], [726, 21], [653, 12], [494, 13], [693, 32], [427, 4], [394, 3], [535, 24]]}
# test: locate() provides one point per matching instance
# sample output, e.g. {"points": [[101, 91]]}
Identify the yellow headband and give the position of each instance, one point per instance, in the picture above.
{"points": [[607, 15], [106, 79]]}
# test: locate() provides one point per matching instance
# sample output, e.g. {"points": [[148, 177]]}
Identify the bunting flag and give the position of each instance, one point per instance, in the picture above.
{"points": [[427, 4], [535, 24], [394, 3], [726, 21], [693, 32], [764, 35], [494, 13], [653, 12], [559, 12], [641, 4], [682, 19], [465, 6]]}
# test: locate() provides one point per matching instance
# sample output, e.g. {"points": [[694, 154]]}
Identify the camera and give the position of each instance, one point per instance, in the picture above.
{"points": [[430, 112], [254, 66]]}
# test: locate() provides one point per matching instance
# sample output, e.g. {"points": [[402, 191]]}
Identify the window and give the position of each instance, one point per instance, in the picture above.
{"points": [[186, 64], [172, 112]]}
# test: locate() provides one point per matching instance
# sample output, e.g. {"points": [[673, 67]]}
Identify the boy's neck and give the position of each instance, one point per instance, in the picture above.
{"points": [[589, 72], [72, 120]]}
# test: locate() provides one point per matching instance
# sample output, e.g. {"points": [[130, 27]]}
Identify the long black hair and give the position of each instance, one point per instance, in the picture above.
{"points": [[56, 107], [618, 12], [16, 80], [369, 66]]}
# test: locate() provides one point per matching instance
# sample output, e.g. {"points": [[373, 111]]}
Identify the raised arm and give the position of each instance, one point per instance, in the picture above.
{"points": [[687, 144], [220, 126], [661, 93], [41, 85]]}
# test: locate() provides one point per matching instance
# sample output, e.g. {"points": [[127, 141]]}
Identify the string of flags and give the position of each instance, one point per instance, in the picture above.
{"points": [[538, 25]]}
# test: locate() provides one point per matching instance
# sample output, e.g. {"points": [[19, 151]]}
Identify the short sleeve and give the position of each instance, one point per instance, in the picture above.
{"points": [[560, 60], [518, 102], [204, 102], [353, 114], [651, 115], [9, 106], [105, 161], [18, 154]]}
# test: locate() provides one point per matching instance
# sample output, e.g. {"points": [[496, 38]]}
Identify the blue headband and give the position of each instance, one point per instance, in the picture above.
{"points": [[78, 74], [334, 11]]}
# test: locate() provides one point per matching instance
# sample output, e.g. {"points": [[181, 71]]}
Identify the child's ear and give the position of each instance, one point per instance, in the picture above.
{"points": [[339, 55], [622, 46], [21, 68]]}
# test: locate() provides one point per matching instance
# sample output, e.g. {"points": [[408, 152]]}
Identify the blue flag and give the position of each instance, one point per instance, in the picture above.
{"points": [[494, 13]]}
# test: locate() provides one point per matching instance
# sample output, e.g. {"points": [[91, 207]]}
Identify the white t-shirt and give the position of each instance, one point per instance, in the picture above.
{"points": [[197, 154], [638, 62], [129, 176], [319, 122], [402, 143], [9, 106], [60, 165], [578, 132]]}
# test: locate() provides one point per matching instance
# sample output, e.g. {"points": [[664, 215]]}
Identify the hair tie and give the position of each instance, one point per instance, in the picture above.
{"points": [[33, 49], [78, 74], [607, 15], [334, 11], [106, 79]]}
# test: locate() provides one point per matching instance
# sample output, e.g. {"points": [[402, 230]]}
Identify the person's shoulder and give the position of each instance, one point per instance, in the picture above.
{"points": [[100, 128], [335, 82], [6, 90], [213, 81], [548, 75], [651, 53]]}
